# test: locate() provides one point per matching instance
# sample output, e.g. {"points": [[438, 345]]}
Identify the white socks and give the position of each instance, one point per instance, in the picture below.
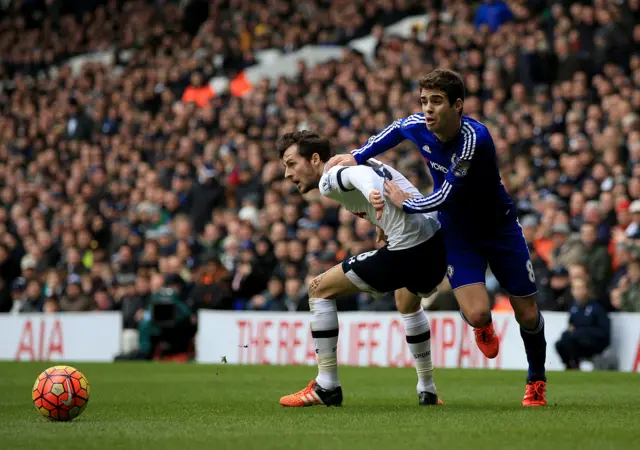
{"points": [[419, 340], [324, 330]]}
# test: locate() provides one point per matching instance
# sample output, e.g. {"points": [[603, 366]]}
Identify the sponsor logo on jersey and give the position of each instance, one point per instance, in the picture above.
{"points": [[326, 184], [384, 173], [450, 271], [426, 149], [380, 169], [438, 167]]}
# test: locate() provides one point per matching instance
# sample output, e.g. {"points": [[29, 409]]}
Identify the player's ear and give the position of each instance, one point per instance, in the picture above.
{"points": [[315, 159], [458, 106]]}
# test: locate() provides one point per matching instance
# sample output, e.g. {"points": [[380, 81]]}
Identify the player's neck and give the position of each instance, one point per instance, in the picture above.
{"points": [[450, 133]]}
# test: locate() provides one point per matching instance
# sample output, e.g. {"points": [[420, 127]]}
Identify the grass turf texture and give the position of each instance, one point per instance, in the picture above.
{"points": [[165, 406]]}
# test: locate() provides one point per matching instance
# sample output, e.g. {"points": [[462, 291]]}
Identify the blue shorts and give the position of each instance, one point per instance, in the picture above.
{"points": [[504, 250]]}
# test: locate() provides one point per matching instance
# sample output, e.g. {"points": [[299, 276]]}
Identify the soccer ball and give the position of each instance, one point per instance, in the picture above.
{"points": [[61, 393]]}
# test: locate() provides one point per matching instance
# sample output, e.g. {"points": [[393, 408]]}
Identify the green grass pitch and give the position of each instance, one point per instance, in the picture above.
{"points": [[172, 406]]}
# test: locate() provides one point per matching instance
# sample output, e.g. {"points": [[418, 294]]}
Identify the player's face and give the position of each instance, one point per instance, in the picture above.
{"points": [[439, 115], [305, 174]]}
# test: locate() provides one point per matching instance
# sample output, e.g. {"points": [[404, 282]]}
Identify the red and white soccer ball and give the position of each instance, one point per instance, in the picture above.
{"points": [[61, 393]]}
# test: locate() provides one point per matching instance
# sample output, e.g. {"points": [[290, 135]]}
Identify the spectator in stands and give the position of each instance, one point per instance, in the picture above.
{"points": [[295, 295], [79, 124], [633, 230], [560, 290], [595, 257], [622, 256], [73, 298], [567, 249], [589, 327], [212, 288], [29, 300], [273, 299], [11, 295], [198, 92], [626, 296], [208, 195], [492, 13], [133, 294]]}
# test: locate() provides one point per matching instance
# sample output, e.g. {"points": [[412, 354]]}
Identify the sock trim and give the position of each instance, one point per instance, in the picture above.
{"points": [[539, 325], [422, 337], [323, 334]]}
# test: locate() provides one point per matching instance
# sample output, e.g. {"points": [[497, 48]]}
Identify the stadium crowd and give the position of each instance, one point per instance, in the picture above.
{"points": [[114, 184]]}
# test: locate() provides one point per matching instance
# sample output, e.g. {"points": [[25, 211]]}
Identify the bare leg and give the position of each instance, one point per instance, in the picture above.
{"points": [[476, 310]]}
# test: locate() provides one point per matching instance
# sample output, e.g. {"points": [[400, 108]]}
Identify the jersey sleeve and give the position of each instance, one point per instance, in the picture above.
{"points": [[381, 142], [454, 180], [341, 179]]}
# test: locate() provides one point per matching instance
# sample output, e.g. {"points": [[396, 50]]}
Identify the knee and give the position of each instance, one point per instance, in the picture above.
{"points": [[317, 289], [408, 305], [477, 318], [313, 288], [528, 317], [526, 311]]}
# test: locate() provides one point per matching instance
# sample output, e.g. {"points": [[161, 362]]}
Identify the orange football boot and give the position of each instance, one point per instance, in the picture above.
{"points": [[535, 394], [312, 395], [487, 340]]}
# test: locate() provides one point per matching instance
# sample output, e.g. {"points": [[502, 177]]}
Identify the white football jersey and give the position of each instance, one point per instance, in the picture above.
{"points": [[351, 186]]}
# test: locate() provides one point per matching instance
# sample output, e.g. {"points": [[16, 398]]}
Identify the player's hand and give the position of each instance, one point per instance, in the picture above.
{"points": [[381, 237], [376, 199], [395, 194], [341, 160]]}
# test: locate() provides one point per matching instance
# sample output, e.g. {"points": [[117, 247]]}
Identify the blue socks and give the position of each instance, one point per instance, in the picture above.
{"points": [[535, 345]]}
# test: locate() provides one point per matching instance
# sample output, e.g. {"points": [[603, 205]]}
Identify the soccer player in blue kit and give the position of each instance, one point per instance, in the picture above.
{"points": [[478, 217]]}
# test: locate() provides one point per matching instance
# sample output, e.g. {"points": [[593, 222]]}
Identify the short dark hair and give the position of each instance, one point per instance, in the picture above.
{"points": [[308, 142], [445, 80]]}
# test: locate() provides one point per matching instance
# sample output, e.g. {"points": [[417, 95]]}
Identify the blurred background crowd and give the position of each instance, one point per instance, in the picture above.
{"points": [[132, 186]]}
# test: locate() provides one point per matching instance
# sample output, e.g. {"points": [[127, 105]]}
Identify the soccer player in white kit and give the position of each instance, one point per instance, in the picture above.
{"points": [[412, 264]]}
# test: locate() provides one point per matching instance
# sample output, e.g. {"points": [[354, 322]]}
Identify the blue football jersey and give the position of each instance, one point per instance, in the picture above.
{"points": [[468, 191]]}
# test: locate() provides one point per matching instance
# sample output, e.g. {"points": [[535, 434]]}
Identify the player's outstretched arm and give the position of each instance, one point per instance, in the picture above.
{"points": [[380, 143], [419, 204], [340, 160], [455, 178]]}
